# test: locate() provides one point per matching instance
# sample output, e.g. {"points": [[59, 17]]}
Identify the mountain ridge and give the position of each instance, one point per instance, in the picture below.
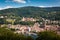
{"points": [[52, 13]]}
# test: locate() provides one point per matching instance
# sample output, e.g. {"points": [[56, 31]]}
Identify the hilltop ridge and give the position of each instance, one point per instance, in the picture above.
{"points": [[52, 13]]}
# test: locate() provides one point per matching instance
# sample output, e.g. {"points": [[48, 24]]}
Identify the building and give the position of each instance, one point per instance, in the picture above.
{"points": [[36, 28], [28, 19]]}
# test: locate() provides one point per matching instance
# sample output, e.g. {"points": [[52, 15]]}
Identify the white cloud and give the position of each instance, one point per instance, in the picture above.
{"points": [[20, 1], [45, 6], [42, 6], [6, 7]]}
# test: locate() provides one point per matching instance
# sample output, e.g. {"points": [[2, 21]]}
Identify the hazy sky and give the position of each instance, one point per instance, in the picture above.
{"points": [[19, 3]]}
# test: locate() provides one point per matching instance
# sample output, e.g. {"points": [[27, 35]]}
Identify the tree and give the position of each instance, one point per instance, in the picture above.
{"points": [[48, 35], [6, 34]]}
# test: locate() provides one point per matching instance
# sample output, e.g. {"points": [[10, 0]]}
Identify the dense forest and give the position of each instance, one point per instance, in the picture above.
{"points": [[52, 13]]}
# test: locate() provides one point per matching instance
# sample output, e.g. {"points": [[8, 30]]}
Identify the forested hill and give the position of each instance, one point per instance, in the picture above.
{"points": [[52, 13]]}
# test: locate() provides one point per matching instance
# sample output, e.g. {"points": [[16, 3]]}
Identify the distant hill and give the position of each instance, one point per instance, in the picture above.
{"points": [[52, 13]]}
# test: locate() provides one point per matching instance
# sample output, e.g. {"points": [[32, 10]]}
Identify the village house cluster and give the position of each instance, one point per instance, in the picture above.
{"points": [[35, 28], [51, 21], [3, 16], [26, 28]]}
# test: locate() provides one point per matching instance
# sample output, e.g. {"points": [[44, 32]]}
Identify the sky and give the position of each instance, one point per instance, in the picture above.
{"points": [[4, 4]]}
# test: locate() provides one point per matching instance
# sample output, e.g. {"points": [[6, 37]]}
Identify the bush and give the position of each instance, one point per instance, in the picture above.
{"points": [[9, 35], [48, 35]]}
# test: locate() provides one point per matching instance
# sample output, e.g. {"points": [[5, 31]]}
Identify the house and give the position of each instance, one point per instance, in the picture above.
{"points": [[51, 27], [28, 19], [25, 28], [1, 16], [37, 28]]}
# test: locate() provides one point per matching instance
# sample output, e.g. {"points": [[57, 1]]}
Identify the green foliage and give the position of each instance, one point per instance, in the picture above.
{"points": [[2, 21], [6, 34], [48, 35], [52, 13], [12, 29], [27, 23]]}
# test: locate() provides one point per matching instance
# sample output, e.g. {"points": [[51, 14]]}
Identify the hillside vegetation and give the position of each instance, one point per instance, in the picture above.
{"points": [[52, 13]]}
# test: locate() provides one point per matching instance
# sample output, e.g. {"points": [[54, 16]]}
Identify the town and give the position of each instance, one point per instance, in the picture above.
{"points": [[28, 29]]}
